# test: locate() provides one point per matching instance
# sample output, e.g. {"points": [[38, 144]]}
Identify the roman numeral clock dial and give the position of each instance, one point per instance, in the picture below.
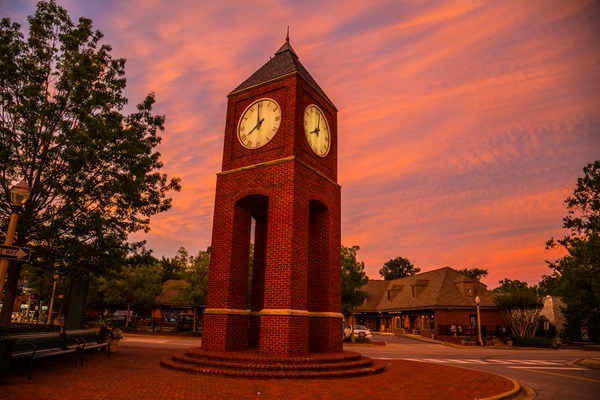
{"points": [[259, 123], [316, 129]]}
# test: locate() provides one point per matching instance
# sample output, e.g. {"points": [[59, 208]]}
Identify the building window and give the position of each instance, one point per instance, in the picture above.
{"points": [[428, 322], [413, 291], [388, 294], [397, 323]]}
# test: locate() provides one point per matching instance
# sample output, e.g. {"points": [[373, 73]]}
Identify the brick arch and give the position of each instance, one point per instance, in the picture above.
{"points": [[319, 274], [318, 256], [251, 207]]}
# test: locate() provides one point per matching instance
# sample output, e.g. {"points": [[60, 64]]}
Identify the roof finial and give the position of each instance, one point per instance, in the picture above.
{"points": [[287, 38]]}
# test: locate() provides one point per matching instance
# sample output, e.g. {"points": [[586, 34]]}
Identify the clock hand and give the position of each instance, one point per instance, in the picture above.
{"points": [[318, 128], [252, 130], [259, 123], [257, 126]]}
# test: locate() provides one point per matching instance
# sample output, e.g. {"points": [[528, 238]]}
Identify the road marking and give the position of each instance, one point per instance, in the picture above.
{"points": [[561, 375], [530, 363], [555, 368]]}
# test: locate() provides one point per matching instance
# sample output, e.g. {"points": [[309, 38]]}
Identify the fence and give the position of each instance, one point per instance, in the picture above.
{"points": [[180, 324]]}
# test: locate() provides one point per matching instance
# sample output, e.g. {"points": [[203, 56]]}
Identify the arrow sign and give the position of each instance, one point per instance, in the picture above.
{"points": [[15, 253]]}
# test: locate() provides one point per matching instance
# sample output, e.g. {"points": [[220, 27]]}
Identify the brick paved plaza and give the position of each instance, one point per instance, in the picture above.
{"points": [[135, 373]]}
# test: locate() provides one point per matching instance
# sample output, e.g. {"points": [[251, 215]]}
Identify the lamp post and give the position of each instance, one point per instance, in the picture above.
{"points": [[49, 318], [19, 194], [477, 301]]}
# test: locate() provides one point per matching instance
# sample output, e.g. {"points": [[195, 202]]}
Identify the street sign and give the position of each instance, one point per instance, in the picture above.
{"points": [[15, 253]]}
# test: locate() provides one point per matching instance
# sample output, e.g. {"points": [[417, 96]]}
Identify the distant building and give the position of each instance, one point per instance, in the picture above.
{"points": [[553, 311], [171, 307], [428, 304]]}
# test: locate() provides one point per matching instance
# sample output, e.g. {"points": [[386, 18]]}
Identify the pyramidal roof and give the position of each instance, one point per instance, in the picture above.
{"points": [[285, 62]]}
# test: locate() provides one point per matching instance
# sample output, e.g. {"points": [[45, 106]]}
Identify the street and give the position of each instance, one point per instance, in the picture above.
{"points": [[552, 374]]}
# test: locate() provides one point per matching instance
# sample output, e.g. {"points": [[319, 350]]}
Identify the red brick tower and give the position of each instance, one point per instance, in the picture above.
{"points": [[278, 189]]}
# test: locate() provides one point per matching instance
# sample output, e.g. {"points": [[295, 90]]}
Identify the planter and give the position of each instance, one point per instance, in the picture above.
{"points": [[114, 345]]}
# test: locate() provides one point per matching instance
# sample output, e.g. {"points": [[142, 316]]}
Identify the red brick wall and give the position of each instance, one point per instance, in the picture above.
{"points": [[296, 203], [223, 333]]}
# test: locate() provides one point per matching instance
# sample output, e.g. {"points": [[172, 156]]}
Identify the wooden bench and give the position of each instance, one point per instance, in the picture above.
{"points": [[85, 339], [40, 345]]}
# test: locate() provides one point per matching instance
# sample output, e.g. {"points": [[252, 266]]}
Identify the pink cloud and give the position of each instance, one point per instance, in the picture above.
{"points": [[460, 123]]}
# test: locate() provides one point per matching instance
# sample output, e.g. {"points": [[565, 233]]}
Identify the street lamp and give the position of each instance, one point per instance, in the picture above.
{"points": [[19, 194], [477, 301]]}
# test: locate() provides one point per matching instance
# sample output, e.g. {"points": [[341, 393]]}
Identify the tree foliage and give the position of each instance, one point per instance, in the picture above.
{"points": [[474, 273], [195, 276], [135, 286], [172, 268], [576, 276], [520, 310], [353, 278], [399, 267], [511, 285], [93, 170]]}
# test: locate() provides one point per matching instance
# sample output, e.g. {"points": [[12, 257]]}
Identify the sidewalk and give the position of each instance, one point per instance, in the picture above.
{"points": [[135, 373]]}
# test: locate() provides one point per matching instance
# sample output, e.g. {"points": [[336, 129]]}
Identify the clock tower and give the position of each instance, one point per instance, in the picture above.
{"points": [[274, 278]]}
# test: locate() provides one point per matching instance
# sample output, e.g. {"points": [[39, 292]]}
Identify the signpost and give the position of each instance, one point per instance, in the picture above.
{"points": [[15, 253]]}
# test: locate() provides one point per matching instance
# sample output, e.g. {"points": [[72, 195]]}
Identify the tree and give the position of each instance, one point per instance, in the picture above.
{"points": [[93, 171], [172, 268], [474, 273], [510, 285], [134, 286], [353, 278], [520, 310], [399, 267], [196, 282], [550, 285], [576, 276]]}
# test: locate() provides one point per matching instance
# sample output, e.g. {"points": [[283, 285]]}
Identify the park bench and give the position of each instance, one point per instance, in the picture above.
{"points": [[40, 345], [85, 339]]}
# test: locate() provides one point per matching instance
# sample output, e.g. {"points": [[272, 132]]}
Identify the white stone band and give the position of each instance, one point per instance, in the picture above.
{"points": [[273, 311]]}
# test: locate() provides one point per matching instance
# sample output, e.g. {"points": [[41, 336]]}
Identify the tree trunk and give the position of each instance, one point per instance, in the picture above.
{"points": [[194, 319], [10, 293], [127, 315]]}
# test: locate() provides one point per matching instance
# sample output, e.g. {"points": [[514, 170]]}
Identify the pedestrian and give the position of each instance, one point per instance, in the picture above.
{"points": [[453, 329]]}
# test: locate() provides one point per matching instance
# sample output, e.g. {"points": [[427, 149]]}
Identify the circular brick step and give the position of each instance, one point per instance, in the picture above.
{"points": [[251, 364]]}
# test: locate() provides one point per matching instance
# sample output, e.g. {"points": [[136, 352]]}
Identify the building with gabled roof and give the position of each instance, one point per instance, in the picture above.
{"points": [[428, 304]]}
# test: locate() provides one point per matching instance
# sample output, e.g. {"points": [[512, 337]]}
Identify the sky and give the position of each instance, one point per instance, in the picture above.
{"points": [[463, 126]]}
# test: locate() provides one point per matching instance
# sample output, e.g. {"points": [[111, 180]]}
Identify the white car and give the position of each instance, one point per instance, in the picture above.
{"points": [[360, 332]]}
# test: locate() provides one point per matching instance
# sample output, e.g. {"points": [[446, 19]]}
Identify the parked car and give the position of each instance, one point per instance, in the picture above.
{"points": [[123, 314], [360, 332]]}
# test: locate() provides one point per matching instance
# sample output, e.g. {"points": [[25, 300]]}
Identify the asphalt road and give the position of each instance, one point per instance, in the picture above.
{"points": [[553, 374]]}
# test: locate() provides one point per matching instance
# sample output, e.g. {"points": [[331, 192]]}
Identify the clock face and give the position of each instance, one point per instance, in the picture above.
{"points": [[259, 123], [316, 129]]}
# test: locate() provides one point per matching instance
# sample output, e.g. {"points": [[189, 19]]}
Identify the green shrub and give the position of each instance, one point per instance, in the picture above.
{"points": [[528, 341]]}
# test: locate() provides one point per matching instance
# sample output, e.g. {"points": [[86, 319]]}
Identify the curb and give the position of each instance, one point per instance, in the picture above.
{"points": [[516, 390]]}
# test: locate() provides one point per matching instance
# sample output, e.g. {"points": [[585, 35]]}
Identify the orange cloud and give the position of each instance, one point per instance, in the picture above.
{"points": [[462, 125]]}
